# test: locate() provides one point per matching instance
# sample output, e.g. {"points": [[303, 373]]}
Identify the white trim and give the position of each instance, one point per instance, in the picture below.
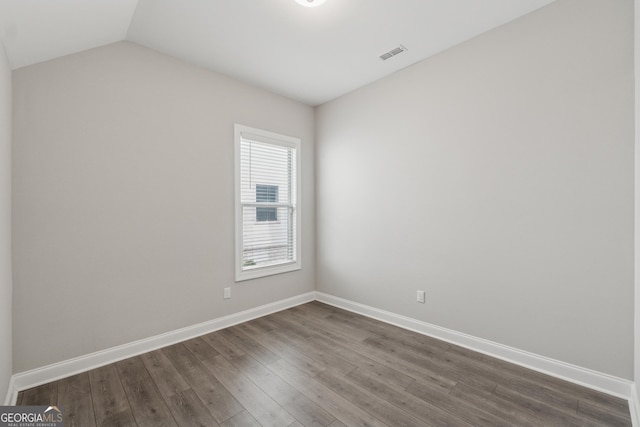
{"points": [[634, 406], [595, 380], [269, 138], [12, 393], [35, 377]]}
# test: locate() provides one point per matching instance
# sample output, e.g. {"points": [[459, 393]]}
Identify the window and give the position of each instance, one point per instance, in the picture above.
{"points": [[267, 203]]}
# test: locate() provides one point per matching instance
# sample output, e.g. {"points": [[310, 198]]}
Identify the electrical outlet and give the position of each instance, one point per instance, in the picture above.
{"points": [[227, 293], [420, 297]]}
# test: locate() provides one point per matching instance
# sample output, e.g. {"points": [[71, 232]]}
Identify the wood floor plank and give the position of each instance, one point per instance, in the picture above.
{"points": [[74, 394], [243, 419], [434, 362], [458, 408], [121, 419], [425, 370], [283, 350], [110, 403], [367, 401], [549, 414], [612, 403], [46, 394], [415, 406], [249, 346], [599, 413], [401, 336], [164, 374], [188, 410], [417, 345], [521, 384], [437, 372], [389, 359], [217, 399], [604, 402], [490, 402], [350, 332], [148, 407], [262, 407], [390, 376], [330, 401], [318, 310], [284, 319], [222, 346], [298, 405], [264, 324], [535, 385], [324, 356]]}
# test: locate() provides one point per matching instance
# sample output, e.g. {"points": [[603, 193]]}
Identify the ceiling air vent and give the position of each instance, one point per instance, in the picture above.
{"points": [[392, 52]]}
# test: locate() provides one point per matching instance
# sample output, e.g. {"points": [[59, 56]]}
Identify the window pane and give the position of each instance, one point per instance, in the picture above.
{"points": [[268, 194], [263, 164], [267, 244], [266, 214]]}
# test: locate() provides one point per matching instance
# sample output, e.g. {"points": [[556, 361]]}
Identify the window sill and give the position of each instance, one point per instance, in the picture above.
{"points": [[256, 273]]}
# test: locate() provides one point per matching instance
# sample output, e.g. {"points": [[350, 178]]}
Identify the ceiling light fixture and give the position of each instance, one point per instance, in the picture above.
{"points": [[310, 3]]}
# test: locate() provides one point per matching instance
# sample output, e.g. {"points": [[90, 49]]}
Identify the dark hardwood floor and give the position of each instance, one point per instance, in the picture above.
{"points": [[316, 365]]}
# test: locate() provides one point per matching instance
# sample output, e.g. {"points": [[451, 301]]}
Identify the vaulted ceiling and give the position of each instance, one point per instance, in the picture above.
{"points": [[309, 54]]}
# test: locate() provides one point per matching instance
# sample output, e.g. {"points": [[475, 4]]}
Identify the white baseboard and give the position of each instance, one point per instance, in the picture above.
{"points": [[35, 377], [596, 380], [12, 394], [634, 406]]}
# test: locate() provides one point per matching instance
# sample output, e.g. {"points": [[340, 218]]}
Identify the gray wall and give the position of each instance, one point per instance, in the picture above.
{"points": [[5, 225], [637, 195], [498, 177], [123, 199]]}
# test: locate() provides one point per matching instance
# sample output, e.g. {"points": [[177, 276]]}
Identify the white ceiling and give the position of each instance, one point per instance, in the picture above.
{"points": [[309, 54]]}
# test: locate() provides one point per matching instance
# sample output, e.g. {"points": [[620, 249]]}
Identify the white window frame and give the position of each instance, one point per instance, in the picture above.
{"points": [[275, 139]]}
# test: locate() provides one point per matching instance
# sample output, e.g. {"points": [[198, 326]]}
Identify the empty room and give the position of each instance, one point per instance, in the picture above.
{"points": [[319, 212]]}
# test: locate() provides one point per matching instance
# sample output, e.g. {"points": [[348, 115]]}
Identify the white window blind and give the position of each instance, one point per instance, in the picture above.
{"points": [[267, 218]]}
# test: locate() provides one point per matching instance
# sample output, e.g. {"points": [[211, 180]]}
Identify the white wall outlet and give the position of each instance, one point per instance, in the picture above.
{"points": [[227, 293], [420, 296]]}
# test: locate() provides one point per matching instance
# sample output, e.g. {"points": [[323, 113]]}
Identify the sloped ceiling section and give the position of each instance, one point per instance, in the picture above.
{"points": [[309, 54], [34, 31]]}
